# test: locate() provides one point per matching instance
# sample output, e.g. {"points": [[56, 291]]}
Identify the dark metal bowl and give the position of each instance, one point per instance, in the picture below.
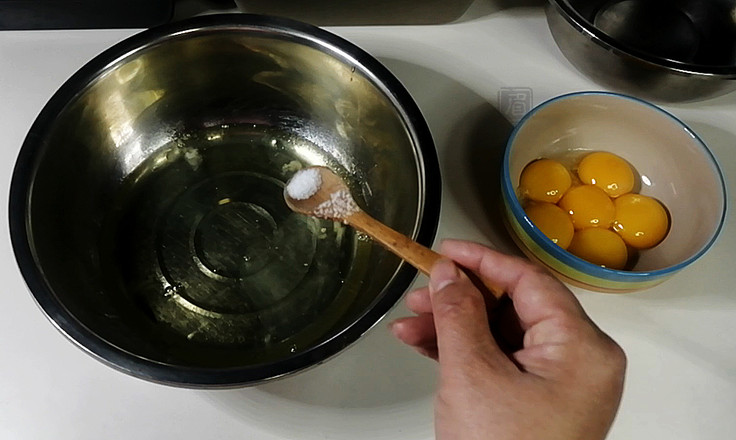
{"points": [[146, 207], [680, 50]]}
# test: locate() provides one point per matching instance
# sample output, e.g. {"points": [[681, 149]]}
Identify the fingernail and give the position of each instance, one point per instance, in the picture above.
{"points": [[413, 296], [443, 274], [422, 351], [392, 327]]}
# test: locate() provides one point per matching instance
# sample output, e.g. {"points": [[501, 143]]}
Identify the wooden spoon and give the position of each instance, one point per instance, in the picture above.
{"points": [[329, 197]]}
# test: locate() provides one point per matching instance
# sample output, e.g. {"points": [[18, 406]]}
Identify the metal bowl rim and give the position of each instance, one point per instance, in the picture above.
{"points": [[199, 377]]}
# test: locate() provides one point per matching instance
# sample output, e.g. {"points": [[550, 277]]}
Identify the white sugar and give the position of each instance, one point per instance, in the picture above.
{"points": [[304, 184], [341, 205]]}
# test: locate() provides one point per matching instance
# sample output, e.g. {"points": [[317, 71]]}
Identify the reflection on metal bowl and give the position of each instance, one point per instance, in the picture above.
{"points": [[146, 205], [665, 51]]}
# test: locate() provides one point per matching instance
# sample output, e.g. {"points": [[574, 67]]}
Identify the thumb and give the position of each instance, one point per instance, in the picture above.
{"points": [[461, 320]]}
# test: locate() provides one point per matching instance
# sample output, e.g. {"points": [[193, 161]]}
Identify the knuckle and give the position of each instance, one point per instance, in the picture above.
{"points": [[612, 359], [456, 303], [618, 357], [445, 398], [573, 325], [536, 270]]}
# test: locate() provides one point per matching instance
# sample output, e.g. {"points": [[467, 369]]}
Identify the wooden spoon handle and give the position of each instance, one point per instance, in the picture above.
{"points": [[409, 250]]}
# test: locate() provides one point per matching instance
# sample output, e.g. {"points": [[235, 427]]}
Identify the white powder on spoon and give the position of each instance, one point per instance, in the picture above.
{"points": [[341, 205], [304, 184]]}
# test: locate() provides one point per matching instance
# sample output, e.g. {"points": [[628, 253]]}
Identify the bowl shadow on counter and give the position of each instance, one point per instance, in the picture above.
{"points": [[374, 389], [383, 12], [481, 8], [473, 173], [471, 135], [378, 376]]}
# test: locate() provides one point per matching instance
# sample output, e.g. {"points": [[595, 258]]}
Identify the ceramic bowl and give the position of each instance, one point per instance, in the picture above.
{"points": [[672, 165]]}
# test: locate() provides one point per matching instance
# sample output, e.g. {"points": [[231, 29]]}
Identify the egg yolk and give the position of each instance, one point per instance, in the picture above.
{"points": [[599, 246], [552, 221], [544, 180], [608, 172], [641, 221], [588, 206]]}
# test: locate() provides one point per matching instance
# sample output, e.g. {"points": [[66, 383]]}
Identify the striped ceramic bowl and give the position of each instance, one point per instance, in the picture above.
{"points": [[672, 163]]}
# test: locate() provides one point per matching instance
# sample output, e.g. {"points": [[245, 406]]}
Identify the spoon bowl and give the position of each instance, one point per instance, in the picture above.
{"points": [[329, 197]]}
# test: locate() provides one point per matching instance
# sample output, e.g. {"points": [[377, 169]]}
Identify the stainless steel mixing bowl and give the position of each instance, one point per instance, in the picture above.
{"points": [[661, 50], [146, 207]]}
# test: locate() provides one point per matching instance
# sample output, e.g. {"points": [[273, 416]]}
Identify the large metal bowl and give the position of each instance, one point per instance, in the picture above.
{"points": [[146, 207], [658, 50]]}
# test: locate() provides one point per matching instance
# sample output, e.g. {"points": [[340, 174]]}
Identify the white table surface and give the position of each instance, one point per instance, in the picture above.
{"points": [[679, 337]]}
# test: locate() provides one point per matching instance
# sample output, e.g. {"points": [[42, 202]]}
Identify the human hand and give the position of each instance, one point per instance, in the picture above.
{"points": [[564, 382]]}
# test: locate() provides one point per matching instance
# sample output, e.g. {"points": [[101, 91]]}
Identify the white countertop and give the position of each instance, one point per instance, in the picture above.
{"points": [[679, 336]]}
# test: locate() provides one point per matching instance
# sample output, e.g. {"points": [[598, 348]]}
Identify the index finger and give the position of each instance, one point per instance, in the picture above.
{"points": [[536, 295]]}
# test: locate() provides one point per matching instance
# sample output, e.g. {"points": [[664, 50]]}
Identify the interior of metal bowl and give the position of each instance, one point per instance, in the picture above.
{"points": [[686, 31], [149, 200]]}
